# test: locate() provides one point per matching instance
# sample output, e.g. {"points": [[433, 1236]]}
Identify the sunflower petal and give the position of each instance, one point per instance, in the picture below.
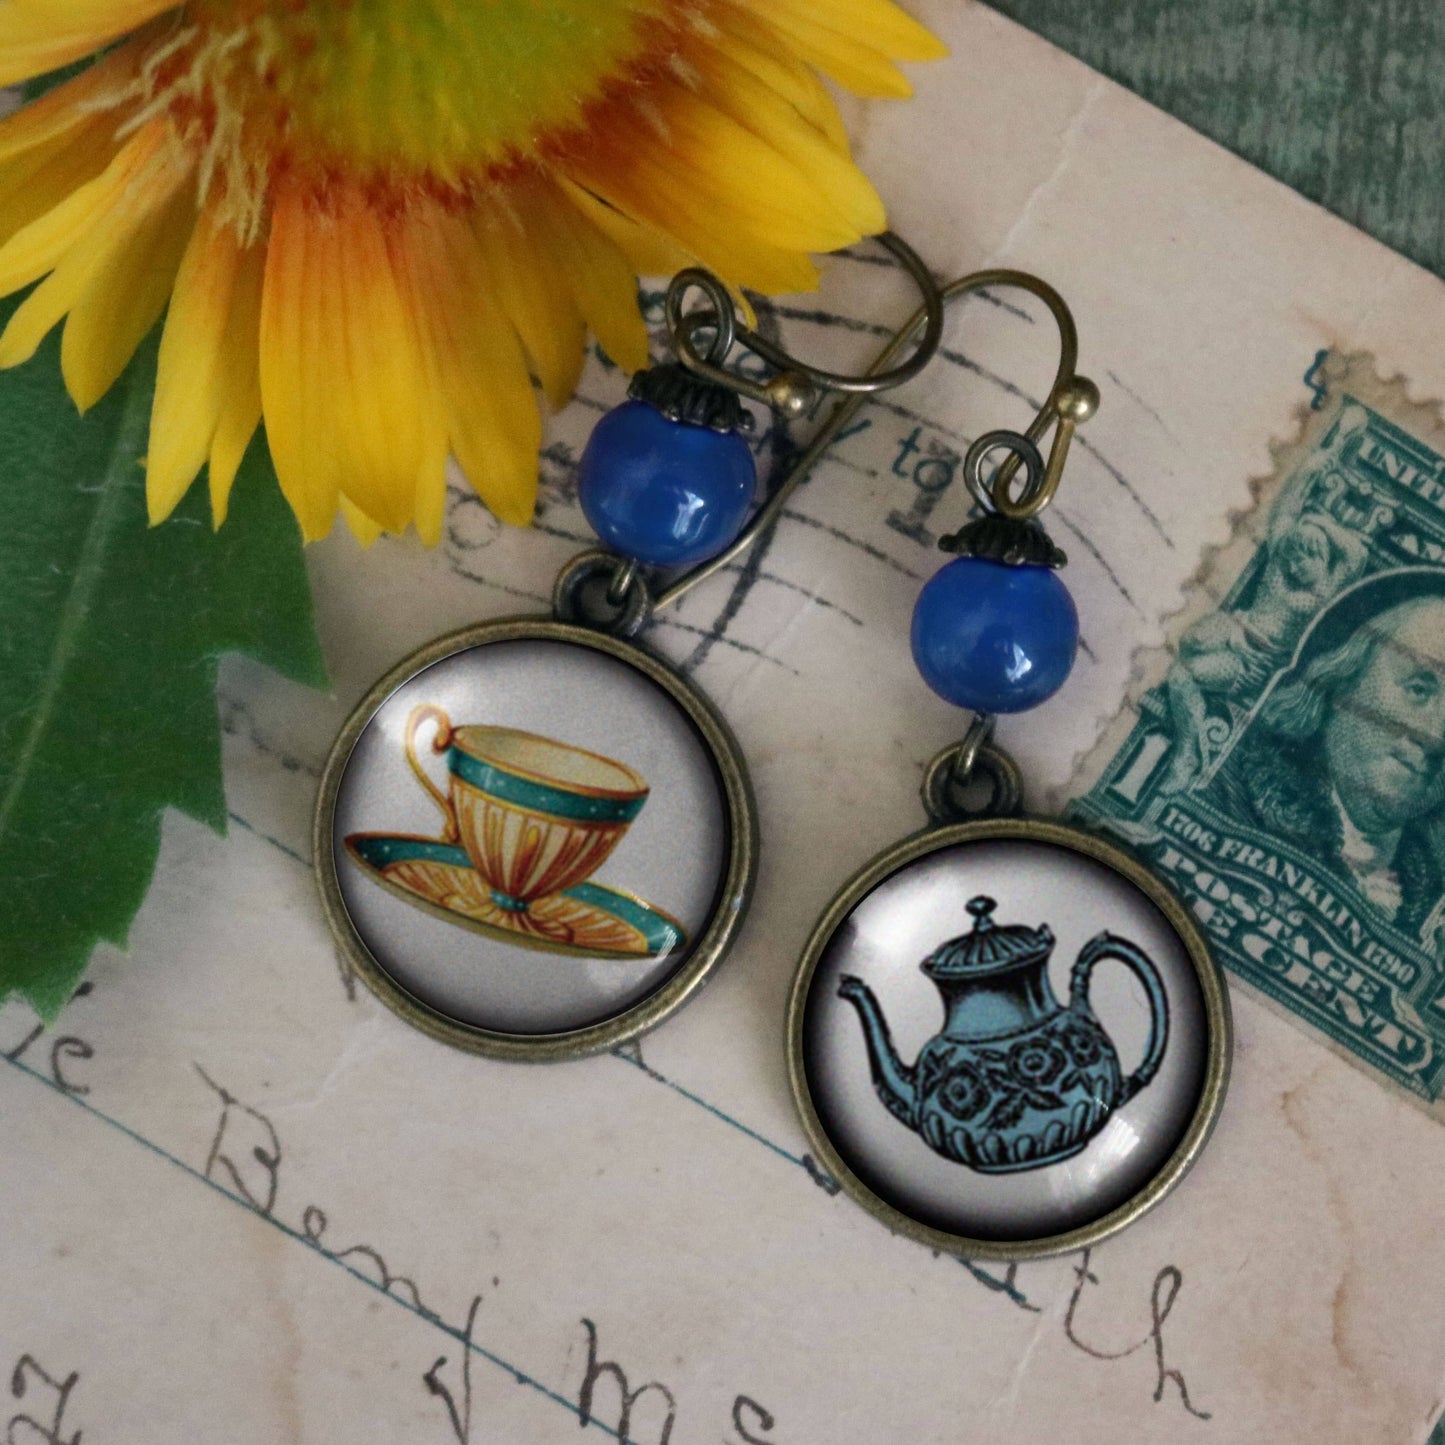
{"points": [[124, 298], [240, 381], [188, 395], [740, 176], [291, 343], [38, 179], [479, 369], [603, 285], [648, 250], [852, 63], [38, 247], [38, 36], [234, 431], [72, 106], [150, 188], [525, 279], [39, 313], [342, 378], [362, 527], [748, 43], [890, 30], [786, 150], [672, 205]]}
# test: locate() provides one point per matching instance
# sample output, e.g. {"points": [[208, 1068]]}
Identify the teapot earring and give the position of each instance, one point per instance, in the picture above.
{"points": [[550, 744], [1006, 1125]]}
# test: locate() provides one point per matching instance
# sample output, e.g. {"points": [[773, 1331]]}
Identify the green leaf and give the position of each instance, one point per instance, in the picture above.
{"points": [[110, 633]]}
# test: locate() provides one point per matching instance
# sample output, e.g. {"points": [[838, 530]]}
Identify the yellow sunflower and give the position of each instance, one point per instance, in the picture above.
{"points": [[375, 220]]}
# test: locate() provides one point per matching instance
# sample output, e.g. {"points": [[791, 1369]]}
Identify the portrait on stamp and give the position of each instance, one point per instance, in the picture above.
{"points": [[1307, 558], [1346, 755]]}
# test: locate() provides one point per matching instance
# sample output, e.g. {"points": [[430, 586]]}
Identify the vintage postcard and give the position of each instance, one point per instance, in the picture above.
{"points": [[1284, 765], [243, 1202]]}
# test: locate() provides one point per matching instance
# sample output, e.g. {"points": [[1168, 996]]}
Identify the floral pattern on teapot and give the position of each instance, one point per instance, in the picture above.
{"points": [[1014, 1079]]}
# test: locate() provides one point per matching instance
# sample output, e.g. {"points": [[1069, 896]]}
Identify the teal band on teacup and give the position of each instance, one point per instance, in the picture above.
{"points": [[380, 850], [540, 797], [660, 933]]}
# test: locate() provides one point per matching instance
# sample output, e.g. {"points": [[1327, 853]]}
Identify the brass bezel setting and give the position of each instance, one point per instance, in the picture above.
{"points": [[1212, 988], [714, 939]]}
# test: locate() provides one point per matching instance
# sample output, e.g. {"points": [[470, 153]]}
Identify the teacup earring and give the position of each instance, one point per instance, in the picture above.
{"points": [[1007, 1038], [534, 838]]}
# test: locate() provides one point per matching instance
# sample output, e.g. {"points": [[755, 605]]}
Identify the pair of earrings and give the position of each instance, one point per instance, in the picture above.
{"points": [[478, 791]]}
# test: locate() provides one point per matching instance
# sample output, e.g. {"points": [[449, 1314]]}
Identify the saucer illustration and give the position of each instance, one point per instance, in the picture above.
{"points": [[587, 920], [527, 821]]}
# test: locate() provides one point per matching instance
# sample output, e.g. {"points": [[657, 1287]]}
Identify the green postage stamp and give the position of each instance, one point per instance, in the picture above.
{"points": [[1284, 763]]}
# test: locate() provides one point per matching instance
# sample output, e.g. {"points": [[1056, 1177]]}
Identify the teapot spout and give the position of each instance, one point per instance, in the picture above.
{"points": [[891, 1076]]}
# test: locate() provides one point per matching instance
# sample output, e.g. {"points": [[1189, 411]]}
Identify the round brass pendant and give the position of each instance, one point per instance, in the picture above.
{"points": [[1007, 1039], [533, 840]]}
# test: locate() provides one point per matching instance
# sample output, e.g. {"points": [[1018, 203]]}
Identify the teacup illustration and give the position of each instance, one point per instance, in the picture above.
{"points": [[535, 816], [527, 820]]}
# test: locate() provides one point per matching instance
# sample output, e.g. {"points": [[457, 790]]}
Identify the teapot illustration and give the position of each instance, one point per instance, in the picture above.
{"points": [[1014, 1080]]}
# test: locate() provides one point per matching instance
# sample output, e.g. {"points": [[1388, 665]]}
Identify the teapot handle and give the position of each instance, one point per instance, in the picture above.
{"points": [[1108, 945]]}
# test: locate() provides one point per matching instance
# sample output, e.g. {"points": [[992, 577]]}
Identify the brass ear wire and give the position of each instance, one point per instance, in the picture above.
{"points": [[796, 385], [1072, 400]]}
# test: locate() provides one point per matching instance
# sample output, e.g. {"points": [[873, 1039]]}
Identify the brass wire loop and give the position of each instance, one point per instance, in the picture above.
{"points": [[599, 590], [1023, 453], [950, 776], [796, 384]]}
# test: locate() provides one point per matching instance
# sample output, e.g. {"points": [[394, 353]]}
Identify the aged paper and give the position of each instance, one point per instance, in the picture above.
{"points": [[244, 1203]]}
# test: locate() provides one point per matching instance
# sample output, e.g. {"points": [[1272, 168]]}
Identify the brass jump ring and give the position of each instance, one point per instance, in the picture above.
{"points": [[682, 326], [944, 783], [583, 595], [1029, 456]]}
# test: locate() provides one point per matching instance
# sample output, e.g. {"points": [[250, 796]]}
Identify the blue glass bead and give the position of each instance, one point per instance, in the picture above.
{"points": [[994, 638], [666, 492]]}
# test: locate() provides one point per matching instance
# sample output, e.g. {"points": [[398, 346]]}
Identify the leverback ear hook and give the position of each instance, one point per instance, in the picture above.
{"points": [[1072, 400], [795, 385]]}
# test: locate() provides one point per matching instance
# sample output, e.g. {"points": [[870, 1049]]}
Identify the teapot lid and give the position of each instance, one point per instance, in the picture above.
{"points": [[990, 947]]}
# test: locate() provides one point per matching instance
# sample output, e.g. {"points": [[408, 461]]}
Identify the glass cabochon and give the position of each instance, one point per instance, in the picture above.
{"points": [[530, 836], [948, 1069]]}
